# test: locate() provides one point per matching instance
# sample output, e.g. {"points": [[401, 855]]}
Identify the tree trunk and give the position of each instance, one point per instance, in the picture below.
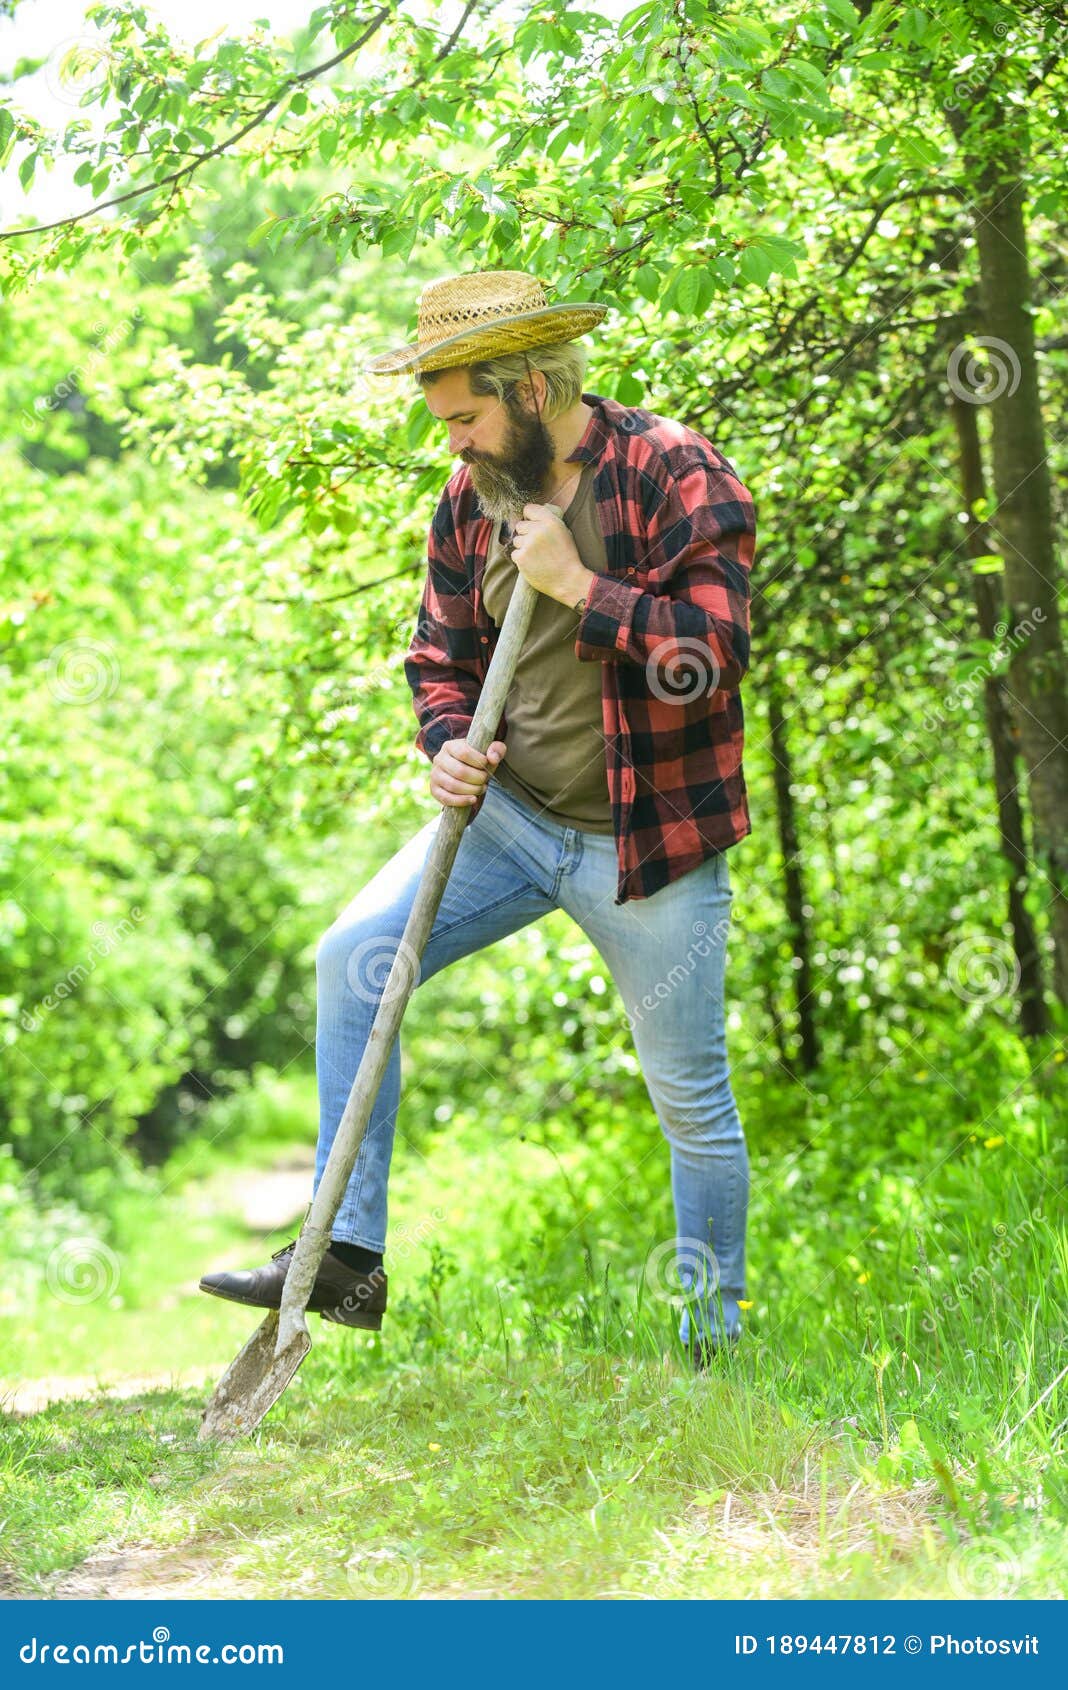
{"points": [[988, 604], [1022, 522], [795, 890]]}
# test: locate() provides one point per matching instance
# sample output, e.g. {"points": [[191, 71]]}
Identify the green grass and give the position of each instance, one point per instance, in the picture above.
{"points": [[525, 1424]]}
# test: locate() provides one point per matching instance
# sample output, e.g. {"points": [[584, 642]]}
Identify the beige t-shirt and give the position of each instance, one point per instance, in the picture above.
{"points": [[554, 722]]}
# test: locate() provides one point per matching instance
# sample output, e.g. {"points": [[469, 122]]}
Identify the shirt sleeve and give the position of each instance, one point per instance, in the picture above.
{"points": [[692, 621], [445, 663]]}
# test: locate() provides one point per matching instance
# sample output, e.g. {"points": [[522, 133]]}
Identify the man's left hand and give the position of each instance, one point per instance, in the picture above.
{"points": [[546, 555]]}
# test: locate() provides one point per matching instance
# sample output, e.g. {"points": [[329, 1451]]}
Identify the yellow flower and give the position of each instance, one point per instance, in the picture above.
{"points": [[433, 1446], [744, 1305], [862, 1278], [992, 1143]]}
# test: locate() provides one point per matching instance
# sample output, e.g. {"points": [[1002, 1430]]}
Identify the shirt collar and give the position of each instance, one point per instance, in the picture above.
{"points": [[596, 437]]}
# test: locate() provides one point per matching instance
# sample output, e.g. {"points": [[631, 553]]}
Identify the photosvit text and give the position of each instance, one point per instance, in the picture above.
{"points": [[846, 1643]]}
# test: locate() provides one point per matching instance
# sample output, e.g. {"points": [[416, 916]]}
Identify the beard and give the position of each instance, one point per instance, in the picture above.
{"points": [[506, 481]]}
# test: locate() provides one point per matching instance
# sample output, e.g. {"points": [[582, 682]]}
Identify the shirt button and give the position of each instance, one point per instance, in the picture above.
{"points": [[485, 639]]}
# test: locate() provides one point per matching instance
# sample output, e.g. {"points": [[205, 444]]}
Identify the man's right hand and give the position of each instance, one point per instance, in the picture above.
{"points": [[459, 773]]}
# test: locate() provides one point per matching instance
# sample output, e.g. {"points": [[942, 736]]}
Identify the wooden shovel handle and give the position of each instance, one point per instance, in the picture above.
{"points": [[315, 1234]]}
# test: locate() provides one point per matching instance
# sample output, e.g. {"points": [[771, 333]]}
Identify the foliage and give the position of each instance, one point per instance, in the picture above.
{"points": [[215, 524]]}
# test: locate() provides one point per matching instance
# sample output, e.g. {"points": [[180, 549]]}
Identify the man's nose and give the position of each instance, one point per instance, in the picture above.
{"points": [[459, 440]]}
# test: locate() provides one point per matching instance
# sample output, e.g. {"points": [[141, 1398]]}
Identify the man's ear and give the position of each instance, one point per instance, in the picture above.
{"points": [[530, 399]]}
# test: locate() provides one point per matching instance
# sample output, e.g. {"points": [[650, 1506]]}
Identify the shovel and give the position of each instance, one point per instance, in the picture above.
{"points": [[257, 1377]]}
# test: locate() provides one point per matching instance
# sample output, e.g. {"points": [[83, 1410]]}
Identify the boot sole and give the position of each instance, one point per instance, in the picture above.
{"points": [[367, 1321]]}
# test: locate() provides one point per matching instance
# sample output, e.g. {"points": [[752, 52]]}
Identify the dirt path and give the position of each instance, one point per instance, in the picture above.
{"points": [[267, 1202], [146, 1574], [279, 1196], [30, 1396]]}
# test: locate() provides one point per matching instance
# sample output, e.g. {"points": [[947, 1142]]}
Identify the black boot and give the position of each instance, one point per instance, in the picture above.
{"points": [[340, 1293]]}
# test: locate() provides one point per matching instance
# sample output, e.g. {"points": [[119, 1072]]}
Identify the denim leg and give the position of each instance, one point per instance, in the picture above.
{"points": [[489, 894], [666, 954]]}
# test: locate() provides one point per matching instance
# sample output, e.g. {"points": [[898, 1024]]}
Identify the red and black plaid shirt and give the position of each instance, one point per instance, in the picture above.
{"points": [[668, 620]]}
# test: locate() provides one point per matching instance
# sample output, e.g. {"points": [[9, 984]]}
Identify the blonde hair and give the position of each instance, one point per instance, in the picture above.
{"points": [[562, 363]]}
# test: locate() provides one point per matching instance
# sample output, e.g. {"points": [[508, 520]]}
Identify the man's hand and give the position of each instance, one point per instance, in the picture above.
{"points": [[459, 773], [546, 555]]}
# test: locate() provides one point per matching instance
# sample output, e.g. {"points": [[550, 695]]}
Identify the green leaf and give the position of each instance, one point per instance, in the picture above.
{"points": [[7, 127], [420, 423], [1052, 200], [397, 241], [914, 25], [920, 149], [328, 140], [843, 11], [991, 563], [755, 265], [629, 390], [26, 169], [809, 73], [778, 85], [647, 282], [686, 291]]}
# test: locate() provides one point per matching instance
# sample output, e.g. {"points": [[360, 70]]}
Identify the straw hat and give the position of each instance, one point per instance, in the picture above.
{"points": [[482, 315]]}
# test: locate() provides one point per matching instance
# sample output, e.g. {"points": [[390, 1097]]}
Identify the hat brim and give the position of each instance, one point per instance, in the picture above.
{"points": [[492, 340]]}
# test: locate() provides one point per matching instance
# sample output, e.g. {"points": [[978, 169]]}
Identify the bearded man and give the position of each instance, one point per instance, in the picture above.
{"points": [[614, 790]]}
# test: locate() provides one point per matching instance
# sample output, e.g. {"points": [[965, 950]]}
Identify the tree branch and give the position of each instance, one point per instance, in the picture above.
{"points": [[177, 176]]}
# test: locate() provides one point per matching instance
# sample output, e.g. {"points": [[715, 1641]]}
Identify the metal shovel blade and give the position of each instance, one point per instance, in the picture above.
{"points": [[253, 1382], [257, 1377]]}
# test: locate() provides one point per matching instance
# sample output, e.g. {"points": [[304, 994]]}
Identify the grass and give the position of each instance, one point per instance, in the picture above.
{"points": [[526, 1426]]}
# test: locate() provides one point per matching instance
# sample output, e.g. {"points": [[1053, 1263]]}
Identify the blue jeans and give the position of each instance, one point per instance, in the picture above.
{"points": [[666, 956]]}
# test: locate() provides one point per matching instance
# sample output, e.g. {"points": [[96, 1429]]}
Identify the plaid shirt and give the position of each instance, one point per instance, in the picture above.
{"points": [[668, 621]]}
